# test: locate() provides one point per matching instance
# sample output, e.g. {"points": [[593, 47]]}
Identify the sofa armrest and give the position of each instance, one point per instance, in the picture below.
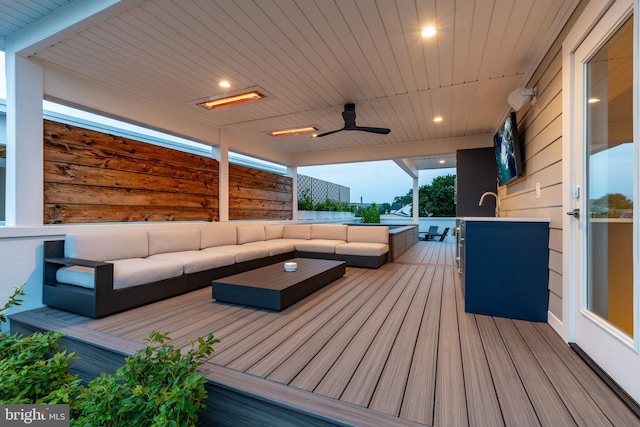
{"points": [[103, 276]]}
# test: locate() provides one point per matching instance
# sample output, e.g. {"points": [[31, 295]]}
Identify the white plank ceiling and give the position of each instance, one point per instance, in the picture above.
{"points": [[311, 57]]}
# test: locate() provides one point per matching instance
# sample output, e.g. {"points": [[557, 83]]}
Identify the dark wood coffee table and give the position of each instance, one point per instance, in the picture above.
{"points": [[273, 288]]}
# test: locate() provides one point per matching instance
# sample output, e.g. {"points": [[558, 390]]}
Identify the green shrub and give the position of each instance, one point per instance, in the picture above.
{"points": [[33, 369], [305, 202], [370, 215], [158, 386]]}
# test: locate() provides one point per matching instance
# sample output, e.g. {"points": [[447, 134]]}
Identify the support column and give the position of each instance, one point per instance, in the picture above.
{"points": [[416, 201], [221, 154], [292, 172], [25, 188]]}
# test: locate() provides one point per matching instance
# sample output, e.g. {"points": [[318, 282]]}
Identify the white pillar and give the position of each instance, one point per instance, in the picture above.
{"points": [[292, 172], [416, 200], [25, 188], [221, 153]]}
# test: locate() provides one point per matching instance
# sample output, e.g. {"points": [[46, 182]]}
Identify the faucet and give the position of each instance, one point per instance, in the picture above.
{"points": [[491, 193]]}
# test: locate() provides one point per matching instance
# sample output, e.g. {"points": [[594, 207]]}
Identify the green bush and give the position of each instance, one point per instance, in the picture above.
{"points": [[370, 215], [158, 386], [33, 369], [305, 202]]}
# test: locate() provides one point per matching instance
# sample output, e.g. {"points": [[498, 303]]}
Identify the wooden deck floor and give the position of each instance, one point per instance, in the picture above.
{"points": [[395, 342]]}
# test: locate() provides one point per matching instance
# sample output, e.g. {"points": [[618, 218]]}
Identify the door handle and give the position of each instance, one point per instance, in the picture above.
{"points": [[575, 213]]}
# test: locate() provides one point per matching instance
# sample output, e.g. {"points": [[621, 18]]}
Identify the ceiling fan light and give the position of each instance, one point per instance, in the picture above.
{"points": [[231, 100], [293, 131]]}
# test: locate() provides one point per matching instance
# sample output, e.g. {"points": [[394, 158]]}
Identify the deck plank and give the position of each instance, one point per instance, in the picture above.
{"points": [[338, 376], [389, 392], [419, 397], [514, 402], [315, 368], [450, 404], [544, 397], [296, 350], [580, 404], [482, 401], [615, 409], [366, 377]]}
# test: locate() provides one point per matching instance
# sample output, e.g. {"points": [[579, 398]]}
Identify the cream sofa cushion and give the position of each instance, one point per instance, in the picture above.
{"points": [[324, 246], [217, 234], [135, 271], [100, 246], [368, 234], [195, 261], [362, 249], [297, 231], [250, 233], [273, 231], [126, 273], [175, 240], [277, 246], [329, 231]]}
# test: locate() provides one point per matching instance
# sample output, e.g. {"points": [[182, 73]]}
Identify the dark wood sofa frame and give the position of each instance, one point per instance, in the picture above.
{"points": [[103, 300]]}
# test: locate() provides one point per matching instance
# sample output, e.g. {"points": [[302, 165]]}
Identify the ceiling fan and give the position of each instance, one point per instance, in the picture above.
{"points": [[349, 116]]}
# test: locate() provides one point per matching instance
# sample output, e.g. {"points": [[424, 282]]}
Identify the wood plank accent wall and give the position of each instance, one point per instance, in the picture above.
{"points": [[91, 176], [256, 194], [540, 129]]}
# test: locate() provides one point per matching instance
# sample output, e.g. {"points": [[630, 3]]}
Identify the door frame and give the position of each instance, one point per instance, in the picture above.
{"points": [[619, 355]]}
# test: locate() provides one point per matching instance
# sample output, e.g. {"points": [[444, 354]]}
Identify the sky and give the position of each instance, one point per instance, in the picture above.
{"points": [[378, 182]]}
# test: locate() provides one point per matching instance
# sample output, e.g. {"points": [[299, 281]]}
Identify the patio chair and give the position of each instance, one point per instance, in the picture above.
{"points": [[443, 235], [433, 231]]}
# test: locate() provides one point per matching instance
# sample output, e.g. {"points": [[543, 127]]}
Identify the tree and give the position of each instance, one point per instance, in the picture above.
{"points": [[435, 199], [438, 197]]}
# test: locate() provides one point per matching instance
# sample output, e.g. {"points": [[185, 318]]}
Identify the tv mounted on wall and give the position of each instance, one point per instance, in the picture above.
{"points": [[507, 148]]}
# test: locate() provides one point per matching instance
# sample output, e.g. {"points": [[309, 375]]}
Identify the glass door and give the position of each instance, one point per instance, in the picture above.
{"points": [[609, 188], [605, 317]]}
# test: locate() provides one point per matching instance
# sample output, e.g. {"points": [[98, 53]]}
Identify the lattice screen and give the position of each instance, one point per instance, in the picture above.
{"points": [[320, 190]]}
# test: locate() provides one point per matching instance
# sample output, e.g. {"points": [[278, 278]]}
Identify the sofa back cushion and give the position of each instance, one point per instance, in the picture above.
{"points": [[174, 240], [250, 233], [368, 234], [103, 246], [329, 231], [297, 231], [273, 231], [217, 234]]}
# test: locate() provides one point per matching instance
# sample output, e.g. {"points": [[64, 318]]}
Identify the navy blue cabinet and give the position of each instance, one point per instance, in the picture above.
{"points": [[504, 267]]}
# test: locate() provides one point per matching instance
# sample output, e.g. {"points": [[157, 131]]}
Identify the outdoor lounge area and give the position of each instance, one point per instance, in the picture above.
{"points": [[512, 128], [387, 347]]}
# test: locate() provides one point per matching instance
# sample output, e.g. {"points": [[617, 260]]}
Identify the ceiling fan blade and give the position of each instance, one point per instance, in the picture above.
{"points": [[328, 133], [370, 129]]}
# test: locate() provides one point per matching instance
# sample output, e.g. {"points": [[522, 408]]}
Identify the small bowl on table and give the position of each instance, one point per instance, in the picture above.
{"points": [[290, 266]]}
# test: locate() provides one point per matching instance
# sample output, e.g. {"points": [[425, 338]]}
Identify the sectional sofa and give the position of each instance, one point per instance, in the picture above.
{"points": [[100, 273]]}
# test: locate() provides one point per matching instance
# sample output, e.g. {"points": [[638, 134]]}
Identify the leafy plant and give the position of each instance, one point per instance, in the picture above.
{"points": [[158, 386], [305, 202], [370, 215], [33, 369]]}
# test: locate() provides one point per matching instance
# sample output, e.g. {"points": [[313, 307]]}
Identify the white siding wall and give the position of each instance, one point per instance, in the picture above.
{"points": [[540, 129]]}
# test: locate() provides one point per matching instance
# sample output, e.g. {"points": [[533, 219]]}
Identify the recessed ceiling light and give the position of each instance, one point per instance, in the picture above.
{"points": [[293, 131], [593, 100], [428, 31], [437, 119], [224, 83], [231, 100]]}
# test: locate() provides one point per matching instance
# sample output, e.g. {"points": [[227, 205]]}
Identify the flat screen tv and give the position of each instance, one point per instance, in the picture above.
{"points": [[507, 148]]}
